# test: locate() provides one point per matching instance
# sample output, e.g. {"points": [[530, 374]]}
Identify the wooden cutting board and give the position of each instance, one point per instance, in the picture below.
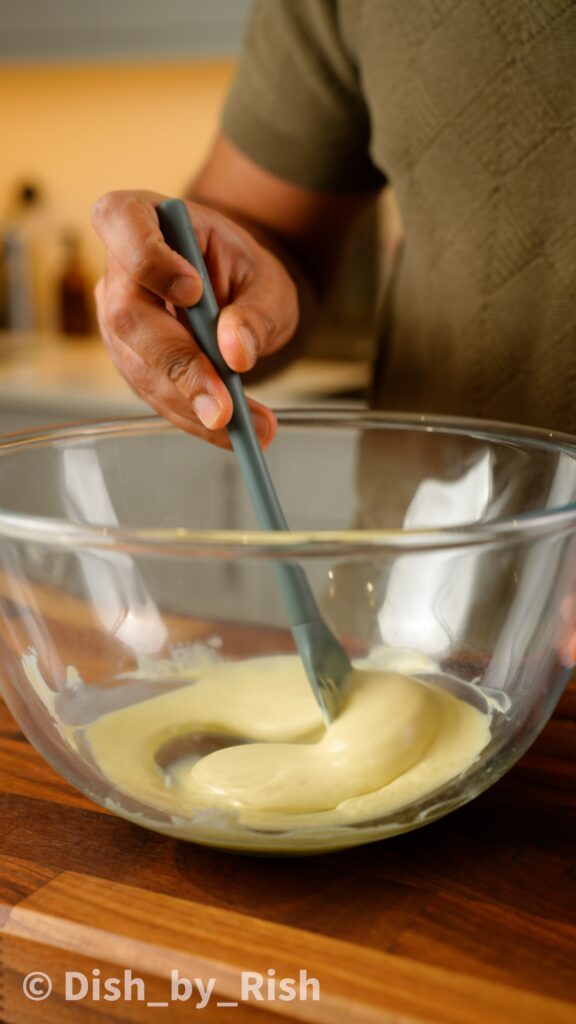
{"points": [[469, 920]]}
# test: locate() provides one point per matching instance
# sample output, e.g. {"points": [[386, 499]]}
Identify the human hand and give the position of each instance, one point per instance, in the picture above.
{"points": [[145, 280]]}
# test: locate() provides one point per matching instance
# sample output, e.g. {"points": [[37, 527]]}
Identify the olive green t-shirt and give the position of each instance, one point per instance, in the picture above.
{"points": [[468, 109]]}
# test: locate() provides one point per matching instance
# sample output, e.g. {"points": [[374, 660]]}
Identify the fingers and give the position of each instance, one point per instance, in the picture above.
{"points": [[262, 317], [165, 367], [133, 316], [128, 225], [164, 398]]}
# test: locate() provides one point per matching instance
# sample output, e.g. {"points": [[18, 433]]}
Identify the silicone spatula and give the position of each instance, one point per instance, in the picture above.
{"points": [[325, 661]]}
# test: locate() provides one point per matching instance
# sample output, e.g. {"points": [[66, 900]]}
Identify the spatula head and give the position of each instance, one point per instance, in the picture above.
{"points": [[326, 663]]}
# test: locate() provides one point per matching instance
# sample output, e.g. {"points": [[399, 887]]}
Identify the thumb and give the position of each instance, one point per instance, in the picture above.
{"points": [[262, 318]]}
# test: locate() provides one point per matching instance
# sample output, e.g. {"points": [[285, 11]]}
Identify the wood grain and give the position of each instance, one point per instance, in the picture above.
{"points": [[157, 934], [471, 919]]}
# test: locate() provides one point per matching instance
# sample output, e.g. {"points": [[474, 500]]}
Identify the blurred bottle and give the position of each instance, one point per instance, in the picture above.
{"points": [[74, 304], [20, 233]]}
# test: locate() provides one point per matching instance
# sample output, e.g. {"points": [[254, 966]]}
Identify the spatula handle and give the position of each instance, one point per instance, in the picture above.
{"points": [[203, 318]]}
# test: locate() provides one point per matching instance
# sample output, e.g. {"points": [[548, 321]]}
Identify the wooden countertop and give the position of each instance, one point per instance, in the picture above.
{"points": [[469, 920]]}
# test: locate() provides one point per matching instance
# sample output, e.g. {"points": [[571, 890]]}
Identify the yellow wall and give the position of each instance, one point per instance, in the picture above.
{"points": [[80, 130]]}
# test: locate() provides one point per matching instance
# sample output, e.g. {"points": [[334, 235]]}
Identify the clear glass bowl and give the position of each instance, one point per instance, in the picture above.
{"points": [[130, 556]]}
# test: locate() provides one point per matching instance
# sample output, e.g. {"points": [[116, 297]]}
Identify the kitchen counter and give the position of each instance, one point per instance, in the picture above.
{"points": [[47, 378], [471, 919]]}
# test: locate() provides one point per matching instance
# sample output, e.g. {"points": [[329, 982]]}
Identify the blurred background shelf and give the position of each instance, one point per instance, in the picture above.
{"points": [[47, 379]]}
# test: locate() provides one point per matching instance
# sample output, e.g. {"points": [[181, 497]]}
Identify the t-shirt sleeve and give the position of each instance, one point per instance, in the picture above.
{"points": [[296, 107]]}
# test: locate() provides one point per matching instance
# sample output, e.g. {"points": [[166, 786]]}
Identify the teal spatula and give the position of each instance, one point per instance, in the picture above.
{"points": [[325, 660]]}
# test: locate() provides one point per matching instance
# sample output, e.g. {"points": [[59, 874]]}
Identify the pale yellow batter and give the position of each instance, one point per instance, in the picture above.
{"points": [[396, 740]]}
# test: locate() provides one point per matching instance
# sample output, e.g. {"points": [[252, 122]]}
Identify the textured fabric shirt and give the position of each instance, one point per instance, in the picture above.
{"points": [[468, 109]]}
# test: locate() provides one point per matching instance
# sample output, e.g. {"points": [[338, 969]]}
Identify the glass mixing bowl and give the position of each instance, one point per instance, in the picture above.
{"points": [[131, 559]]}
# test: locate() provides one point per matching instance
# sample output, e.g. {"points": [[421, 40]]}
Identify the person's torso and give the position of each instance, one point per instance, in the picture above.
{"points": [[473, 120]]}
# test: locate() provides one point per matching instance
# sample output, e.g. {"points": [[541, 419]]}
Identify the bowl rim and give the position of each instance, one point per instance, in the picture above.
{"points": [[293, 543]]}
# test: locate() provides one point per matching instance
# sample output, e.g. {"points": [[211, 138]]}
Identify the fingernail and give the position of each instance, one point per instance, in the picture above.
{"points": [[184, 291], [248, 343], [207, 409]]}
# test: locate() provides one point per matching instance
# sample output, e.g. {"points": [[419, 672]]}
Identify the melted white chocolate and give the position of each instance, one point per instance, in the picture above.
{"points": [[396, 740]]}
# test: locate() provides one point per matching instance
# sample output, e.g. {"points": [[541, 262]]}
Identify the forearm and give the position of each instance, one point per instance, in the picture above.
{"points": [[307, 231]]}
